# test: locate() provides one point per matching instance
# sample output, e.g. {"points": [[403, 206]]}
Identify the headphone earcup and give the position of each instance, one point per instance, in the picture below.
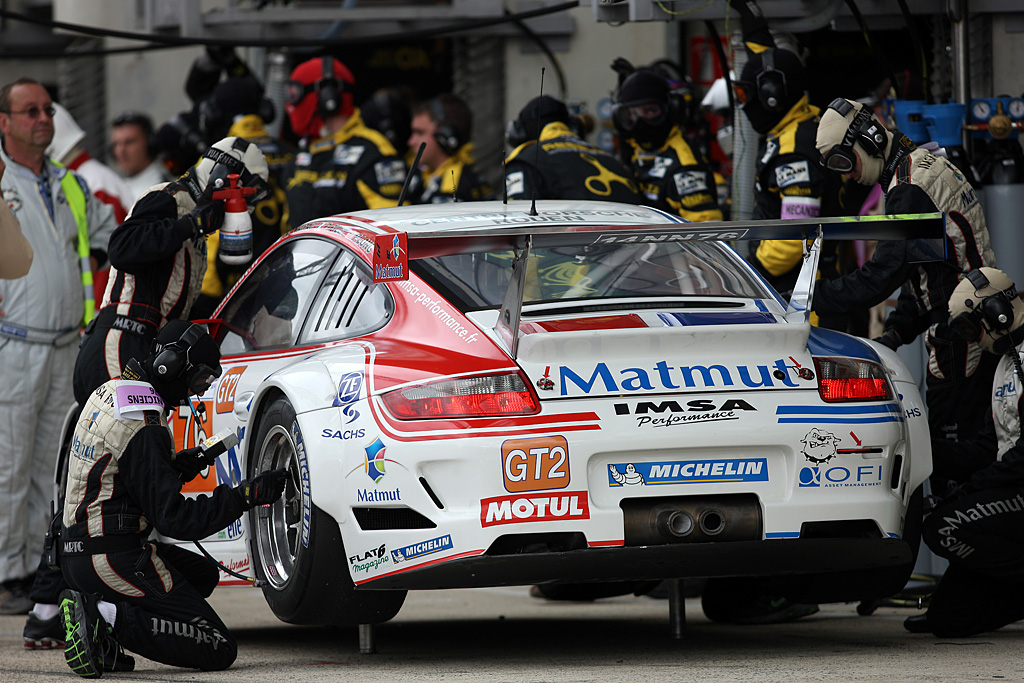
{"points": [[447, 139], [771, 83], [997, 312], [328, 95], [169, 362]]}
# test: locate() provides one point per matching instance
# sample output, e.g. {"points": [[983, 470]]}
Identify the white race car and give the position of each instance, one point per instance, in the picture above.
{"points": [[485, 394]]}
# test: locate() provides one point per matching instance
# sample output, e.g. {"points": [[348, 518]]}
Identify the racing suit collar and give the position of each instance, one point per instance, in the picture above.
{"points": [[901, 147], [800, 112], [674, 134]]}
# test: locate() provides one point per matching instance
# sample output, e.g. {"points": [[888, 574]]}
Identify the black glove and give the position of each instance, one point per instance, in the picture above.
{"points": [[207, 217], [262, 489], [189, 463], [889, 338]]}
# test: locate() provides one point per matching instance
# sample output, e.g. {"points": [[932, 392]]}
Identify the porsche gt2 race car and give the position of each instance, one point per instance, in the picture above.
{"points": [[483, 394]]}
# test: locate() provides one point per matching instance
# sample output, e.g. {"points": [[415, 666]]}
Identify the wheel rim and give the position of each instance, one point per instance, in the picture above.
{"points": [[277, 526]]}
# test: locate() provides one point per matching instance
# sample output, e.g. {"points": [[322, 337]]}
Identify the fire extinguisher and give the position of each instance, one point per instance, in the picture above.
{"points": [[236, 234]]}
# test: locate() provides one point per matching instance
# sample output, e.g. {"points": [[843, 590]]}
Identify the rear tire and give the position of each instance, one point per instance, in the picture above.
{"points": [[303, 582]]}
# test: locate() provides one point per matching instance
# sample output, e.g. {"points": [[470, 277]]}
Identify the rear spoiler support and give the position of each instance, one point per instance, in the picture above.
{"points": [[799, 309]]}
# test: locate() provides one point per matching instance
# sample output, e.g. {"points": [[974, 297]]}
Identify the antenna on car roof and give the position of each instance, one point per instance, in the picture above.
{"points": [[412, 169], [536, 155], [455, 187]]}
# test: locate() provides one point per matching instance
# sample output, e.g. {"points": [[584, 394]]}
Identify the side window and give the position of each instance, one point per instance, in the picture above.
{"points": [[348, 304], [266, 309]]}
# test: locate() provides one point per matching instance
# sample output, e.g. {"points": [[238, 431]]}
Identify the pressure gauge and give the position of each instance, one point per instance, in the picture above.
{"points": [[981, 110], [1016, 108]]}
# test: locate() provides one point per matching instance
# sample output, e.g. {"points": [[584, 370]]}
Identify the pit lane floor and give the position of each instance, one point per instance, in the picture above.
{"points": [[502, 634]]}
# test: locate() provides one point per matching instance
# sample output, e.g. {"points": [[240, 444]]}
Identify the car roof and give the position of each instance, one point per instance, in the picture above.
{"points": [[494, 214]]}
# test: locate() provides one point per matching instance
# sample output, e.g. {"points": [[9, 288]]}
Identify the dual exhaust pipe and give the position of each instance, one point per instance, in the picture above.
{"points": [[691, 519]]}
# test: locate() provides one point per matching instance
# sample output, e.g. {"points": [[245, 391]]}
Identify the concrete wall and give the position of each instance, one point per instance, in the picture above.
{"points": [[586, 63], [1007, 54]]}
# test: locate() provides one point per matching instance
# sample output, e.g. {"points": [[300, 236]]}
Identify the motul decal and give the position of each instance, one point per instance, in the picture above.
{"points": [[538, 508]]}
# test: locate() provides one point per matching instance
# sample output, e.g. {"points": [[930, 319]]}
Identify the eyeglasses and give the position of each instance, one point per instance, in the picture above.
{"points": [[34, 112]]}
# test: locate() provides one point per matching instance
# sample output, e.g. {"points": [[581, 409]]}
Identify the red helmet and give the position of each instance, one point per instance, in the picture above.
{"points": [[318, 88]]}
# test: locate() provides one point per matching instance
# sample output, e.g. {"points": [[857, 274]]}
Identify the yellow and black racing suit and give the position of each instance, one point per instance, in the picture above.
{"points": [[565, 167], [355, 168], [673, 179]]}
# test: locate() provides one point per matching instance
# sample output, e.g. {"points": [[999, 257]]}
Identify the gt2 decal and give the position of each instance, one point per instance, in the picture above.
{"points": [[423, 548], [687, 472], [535, 464], [544, 508], [226, 389], [698, 410], [840, 477]]}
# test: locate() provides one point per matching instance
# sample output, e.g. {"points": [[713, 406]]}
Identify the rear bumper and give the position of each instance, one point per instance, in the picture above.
{"points": [[839, 569]]}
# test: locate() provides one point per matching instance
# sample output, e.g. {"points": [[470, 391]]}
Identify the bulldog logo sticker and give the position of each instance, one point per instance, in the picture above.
{"points": [[819, 446]]}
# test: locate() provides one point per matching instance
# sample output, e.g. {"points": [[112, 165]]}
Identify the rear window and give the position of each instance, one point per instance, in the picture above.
{"points": [[674, 269]]}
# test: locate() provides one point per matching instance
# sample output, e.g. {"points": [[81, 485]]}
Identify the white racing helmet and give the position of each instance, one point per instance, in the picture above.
{"points": [[985, 308], [847, 127], [233, 155]]}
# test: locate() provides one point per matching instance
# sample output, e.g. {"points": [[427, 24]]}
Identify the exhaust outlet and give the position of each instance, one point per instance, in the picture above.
{"points": [[675, 523], [692, 519], [712, 521]]}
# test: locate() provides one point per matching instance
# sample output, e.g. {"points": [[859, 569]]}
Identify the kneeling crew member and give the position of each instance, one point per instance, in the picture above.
{"points": [[979, 526], [124, 479]]}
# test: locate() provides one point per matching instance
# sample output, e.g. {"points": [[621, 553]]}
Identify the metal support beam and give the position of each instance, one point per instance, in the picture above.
{"points": [[367, 639], [676, 608]]}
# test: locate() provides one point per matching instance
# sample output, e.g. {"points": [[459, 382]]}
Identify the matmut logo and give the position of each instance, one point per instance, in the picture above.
{"points": [[662, 376], [537, 508]]}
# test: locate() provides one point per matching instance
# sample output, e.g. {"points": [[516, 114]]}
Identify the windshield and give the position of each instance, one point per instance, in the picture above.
{"points": [[672, 269]]}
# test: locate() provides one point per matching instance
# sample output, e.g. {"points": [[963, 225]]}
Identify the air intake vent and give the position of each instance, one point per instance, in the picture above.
{"points": [[381, 519]]}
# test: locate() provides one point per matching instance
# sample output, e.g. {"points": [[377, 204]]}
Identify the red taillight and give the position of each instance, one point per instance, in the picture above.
{"points": [[849, 379], [483, 396]]}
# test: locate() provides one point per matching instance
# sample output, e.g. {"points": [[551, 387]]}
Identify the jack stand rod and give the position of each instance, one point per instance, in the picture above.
{"points": [[676, 608], [367, 639]]}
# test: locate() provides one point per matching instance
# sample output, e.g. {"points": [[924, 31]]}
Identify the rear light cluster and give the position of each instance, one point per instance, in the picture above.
{"points": [[482, 396], [849, 379]]}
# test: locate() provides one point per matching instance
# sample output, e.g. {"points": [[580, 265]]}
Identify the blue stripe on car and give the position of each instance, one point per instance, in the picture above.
{"points": [[739, 318]]}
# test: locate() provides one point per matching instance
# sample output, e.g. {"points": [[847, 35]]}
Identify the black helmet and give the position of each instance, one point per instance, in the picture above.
{"points": [[642, 111], [770, 84], [538, 112], [185, 360]]}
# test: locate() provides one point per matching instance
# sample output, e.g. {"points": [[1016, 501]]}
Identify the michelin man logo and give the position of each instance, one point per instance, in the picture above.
{"points": [[630, 478], [819, 446]]}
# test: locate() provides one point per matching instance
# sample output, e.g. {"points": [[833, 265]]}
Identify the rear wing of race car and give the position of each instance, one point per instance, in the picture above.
{"points": [[392, 251]]}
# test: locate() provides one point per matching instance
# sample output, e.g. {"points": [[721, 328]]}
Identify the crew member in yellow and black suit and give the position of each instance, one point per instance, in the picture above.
{"points": [[790, 182], [671, 176], [563, 166], [349, 166]]}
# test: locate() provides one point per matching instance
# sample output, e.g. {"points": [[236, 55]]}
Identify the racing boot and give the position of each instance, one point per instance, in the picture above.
{"points": [[43, 634], [89, 648]]}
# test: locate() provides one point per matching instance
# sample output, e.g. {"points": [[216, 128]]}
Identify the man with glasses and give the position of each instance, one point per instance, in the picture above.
{"points": [[346, 166], [854, 140], [43, 312]]}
